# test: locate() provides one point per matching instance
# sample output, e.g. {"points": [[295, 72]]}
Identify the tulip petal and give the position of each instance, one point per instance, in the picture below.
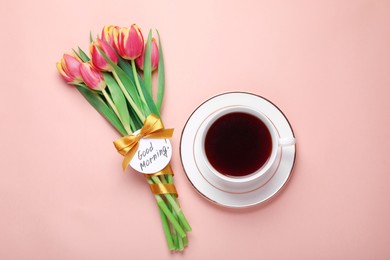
{"points": [[116, 34], [140, 60], [62, 72], [155, 54], [68, 67], [91, 77], [109, 33], [72, 65], [123, 34], [130, 42], [108, 50], [97, 59]]}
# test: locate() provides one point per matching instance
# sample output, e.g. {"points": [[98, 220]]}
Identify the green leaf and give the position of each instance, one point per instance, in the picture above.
{"points": [[126, 67], [76, 53], [84, 57], [141, 80], [90, 37], [148, 63], [149, 102], [137, 124], [98, 103], [161, 75], [118, 98], [146, 86]]}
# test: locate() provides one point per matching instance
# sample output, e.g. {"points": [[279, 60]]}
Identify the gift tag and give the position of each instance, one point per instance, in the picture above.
{"points": [[152, 155]]}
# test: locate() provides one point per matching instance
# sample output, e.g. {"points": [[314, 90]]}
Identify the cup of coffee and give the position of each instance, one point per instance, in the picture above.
{"points": [[239, 148]]}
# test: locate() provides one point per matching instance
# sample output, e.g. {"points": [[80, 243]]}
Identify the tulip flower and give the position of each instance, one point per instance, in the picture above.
{"points": [[109, 33], [92, 77], [97, 58], [130, 42], [68, 67], [140, 60]]}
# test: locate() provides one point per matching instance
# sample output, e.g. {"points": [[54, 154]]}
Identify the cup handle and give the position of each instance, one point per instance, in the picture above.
{"points": [[286, 141]]}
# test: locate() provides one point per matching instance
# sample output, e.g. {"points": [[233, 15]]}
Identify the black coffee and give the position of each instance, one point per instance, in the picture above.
{"points": [[238, 144]]}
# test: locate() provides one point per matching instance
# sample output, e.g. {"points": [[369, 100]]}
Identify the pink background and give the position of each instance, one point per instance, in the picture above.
{"points": [[326, 64]]}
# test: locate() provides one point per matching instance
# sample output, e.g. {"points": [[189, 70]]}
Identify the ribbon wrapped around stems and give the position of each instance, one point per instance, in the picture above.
{"points": [[163, 188]]}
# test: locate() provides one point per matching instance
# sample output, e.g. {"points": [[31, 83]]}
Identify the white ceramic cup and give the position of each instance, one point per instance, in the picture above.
{"points": [[248, 182]]}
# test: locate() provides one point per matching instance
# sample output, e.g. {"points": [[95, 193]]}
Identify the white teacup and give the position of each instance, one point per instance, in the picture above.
{"points": [[250, 181]]}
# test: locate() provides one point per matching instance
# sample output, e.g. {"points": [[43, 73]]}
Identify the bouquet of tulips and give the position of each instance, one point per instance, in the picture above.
{"points": [[116, 79]]}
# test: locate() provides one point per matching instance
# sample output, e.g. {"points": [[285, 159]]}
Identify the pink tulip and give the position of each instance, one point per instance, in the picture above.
{"points": [[92, 77], [130, 42], [109, 33], [97, 58], [68, 67], [154, 54]]}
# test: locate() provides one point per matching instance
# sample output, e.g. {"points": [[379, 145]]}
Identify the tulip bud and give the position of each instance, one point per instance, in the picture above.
{"points": [[92, 77], [109, 33], [155, 57], [97, 58], [68, 67], [130, 42]]}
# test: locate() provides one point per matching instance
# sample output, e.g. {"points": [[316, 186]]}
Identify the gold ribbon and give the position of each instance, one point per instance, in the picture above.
{"points": [[152, 128], [162, 188]]}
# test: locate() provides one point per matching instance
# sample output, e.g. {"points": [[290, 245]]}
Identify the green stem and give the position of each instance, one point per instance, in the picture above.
{"points": [[169, 215], [167, 230], [180, 245], [134, 68], [169, 235], [109, 100], [172, 201], [185, 241], [133, 105], [177, 240], [164, 208]]}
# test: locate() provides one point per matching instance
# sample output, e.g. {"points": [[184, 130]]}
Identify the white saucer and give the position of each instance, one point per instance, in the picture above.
{"points": [[194, 171]]}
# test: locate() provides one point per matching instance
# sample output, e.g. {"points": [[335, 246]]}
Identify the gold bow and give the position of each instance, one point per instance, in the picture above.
{"points": [[152, 128]]}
